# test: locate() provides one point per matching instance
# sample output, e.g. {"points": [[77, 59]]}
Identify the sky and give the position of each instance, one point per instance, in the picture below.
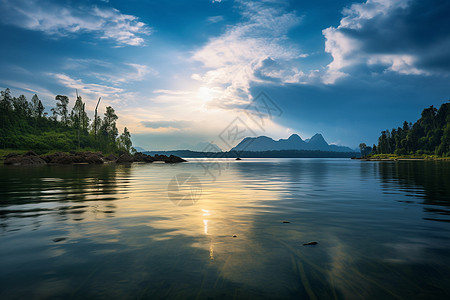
{"points": [[184, 72]]}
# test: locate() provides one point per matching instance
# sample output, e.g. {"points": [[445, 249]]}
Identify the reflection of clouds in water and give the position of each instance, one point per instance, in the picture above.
{"points": [[361, 247]]}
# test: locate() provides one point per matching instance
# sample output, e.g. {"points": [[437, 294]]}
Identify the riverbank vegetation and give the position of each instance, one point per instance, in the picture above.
{"points": [[427, 138], [25, 125]]}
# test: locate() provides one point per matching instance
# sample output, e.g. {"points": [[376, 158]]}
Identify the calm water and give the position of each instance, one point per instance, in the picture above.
{"points": [[383, 230]]}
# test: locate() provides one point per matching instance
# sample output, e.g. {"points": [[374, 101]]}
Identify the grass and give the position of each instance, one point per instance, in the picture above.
{"points": [[4, 152], [404, 157]]}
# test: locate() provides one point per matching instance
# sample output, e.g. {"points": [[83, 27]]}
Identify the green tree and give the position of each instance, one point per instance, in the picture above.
{"points": [[78, 117], [109, 129], [362, 148], [61, 109], [37, 108], [124, 141], [21, 106]]}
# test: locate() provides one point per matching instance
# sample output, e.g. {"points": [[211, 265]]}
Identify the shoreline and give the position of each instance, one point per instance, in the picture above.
{"points": [[390, 158], [30, 158]]}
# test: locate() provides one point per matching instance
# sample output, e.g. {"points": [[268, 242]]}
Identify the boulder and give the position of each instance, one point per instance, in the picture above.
{"points": [[111, 157], [124, 158], [60, 158], [11, 155], [175, 159], [90, 157], [30, 153], [141, 157], [24, 160], [170, 159]]}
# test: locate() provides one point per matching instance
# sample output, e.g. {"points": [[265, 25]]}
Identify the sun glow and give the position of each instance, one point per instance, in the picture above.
{"points": [[205, 94]]}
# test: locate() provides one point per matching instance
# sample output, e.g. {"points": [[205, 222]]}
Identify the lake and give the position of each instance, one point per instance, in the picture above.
{"points": [[211, 229]]}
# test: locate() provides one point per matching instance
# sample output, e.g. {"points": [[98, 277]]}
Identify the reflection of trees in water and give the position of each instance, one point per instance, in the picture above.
{"points": [[63, 192], [432, 176]]}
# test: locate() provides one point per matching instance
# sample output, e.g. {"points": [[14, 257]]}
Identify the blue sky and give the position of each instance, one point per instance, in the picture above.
{"points": [[179, 72]]}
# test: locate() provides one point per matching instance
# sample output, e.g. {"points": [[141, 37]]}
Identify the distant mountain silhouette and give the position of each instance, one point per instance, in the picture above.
{"points": [[294, 142], [202, 146], [139, 149]]}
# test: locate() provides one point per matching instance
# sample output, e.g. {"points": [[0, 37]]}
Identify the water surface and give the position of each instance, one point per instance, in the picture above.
{"points": [[123, 232]]}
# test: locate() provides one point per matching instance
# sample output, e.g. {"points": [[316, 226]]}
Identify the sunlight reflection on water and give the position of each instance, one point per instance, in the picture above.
{"points": [[113, 231]]}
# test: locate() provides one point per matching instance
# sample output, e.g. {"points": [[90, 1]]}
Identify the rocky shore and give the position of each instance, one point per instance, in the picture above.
{"points": [[62, 158]]}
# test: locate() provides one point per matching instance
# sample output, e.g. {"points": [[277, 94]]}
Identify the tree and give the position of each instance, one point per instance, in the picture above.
{"points": [[61, 109], [21, 106], [429, 135], [24, 125], [6, 101], [362, 148], [125, 141], [78, 116], [108, 128], [37, 109]]}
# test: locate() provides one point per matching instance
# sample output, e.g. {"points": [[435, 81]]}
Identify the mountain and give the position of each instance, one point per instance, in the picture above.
{"points": [[294, 142], [139, 149], [202, 146]]}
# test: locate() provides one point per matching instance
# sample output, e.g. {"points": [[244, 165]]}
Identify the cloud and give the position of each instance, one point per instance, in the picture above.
{"points": [[115, 73], [166, 124], [215, 19], [235, 59], [57, 19], [408, 37], [93, 90], [171, 92]]}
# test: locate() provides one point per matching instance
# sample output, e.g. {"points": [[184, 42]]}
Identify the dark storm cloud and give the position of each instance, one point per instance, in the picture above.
{"points": [[421, 29], [407, 37]]}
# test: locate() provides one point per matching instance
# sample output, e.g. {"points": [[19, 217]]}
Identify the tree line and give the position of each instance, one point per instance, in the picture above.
{"points": [[429, 135], [25, 125]]}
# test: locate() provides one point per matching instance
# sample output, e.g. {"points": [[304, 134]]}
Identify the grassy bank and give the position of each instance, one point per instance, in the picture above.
{"points": [[4, 152], [405, 157]]}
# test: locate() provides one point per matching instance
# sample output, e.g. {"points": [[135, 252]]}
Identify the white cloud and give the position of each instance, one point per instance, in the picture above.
{"points": [[171, 92], [91, 89], [215, 19], [234, 59], [115, 73], [402, 64], [379, 33], [58, 20]]}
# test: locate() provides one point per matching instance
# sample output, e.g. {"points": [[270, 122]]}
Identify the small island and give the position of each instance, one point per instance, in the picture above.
{"points": [[30, 136]]}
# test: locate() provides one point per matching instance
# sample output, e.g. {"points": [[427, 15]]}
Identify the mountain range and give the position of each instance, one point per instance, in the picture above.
{"points": [[202, 146], [294, 142]]}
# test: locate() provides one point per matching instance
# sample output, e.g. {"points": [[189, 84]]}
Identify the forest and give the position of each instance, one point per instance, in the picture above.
{"points": [[25, 125], [430, 135]]}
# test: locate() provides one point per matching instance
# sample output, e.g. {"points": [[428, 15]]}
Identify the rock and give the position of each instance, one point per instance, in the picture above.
{"points": [[163, 158], [60, 239], [238, 158], [59, 158], [175, 159], [25, 160], [62, 158], [234, 236], [310, 244], [141, 157], [91, 158], [30, 153], [124, 158], [111, 157], [11, 155]]}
